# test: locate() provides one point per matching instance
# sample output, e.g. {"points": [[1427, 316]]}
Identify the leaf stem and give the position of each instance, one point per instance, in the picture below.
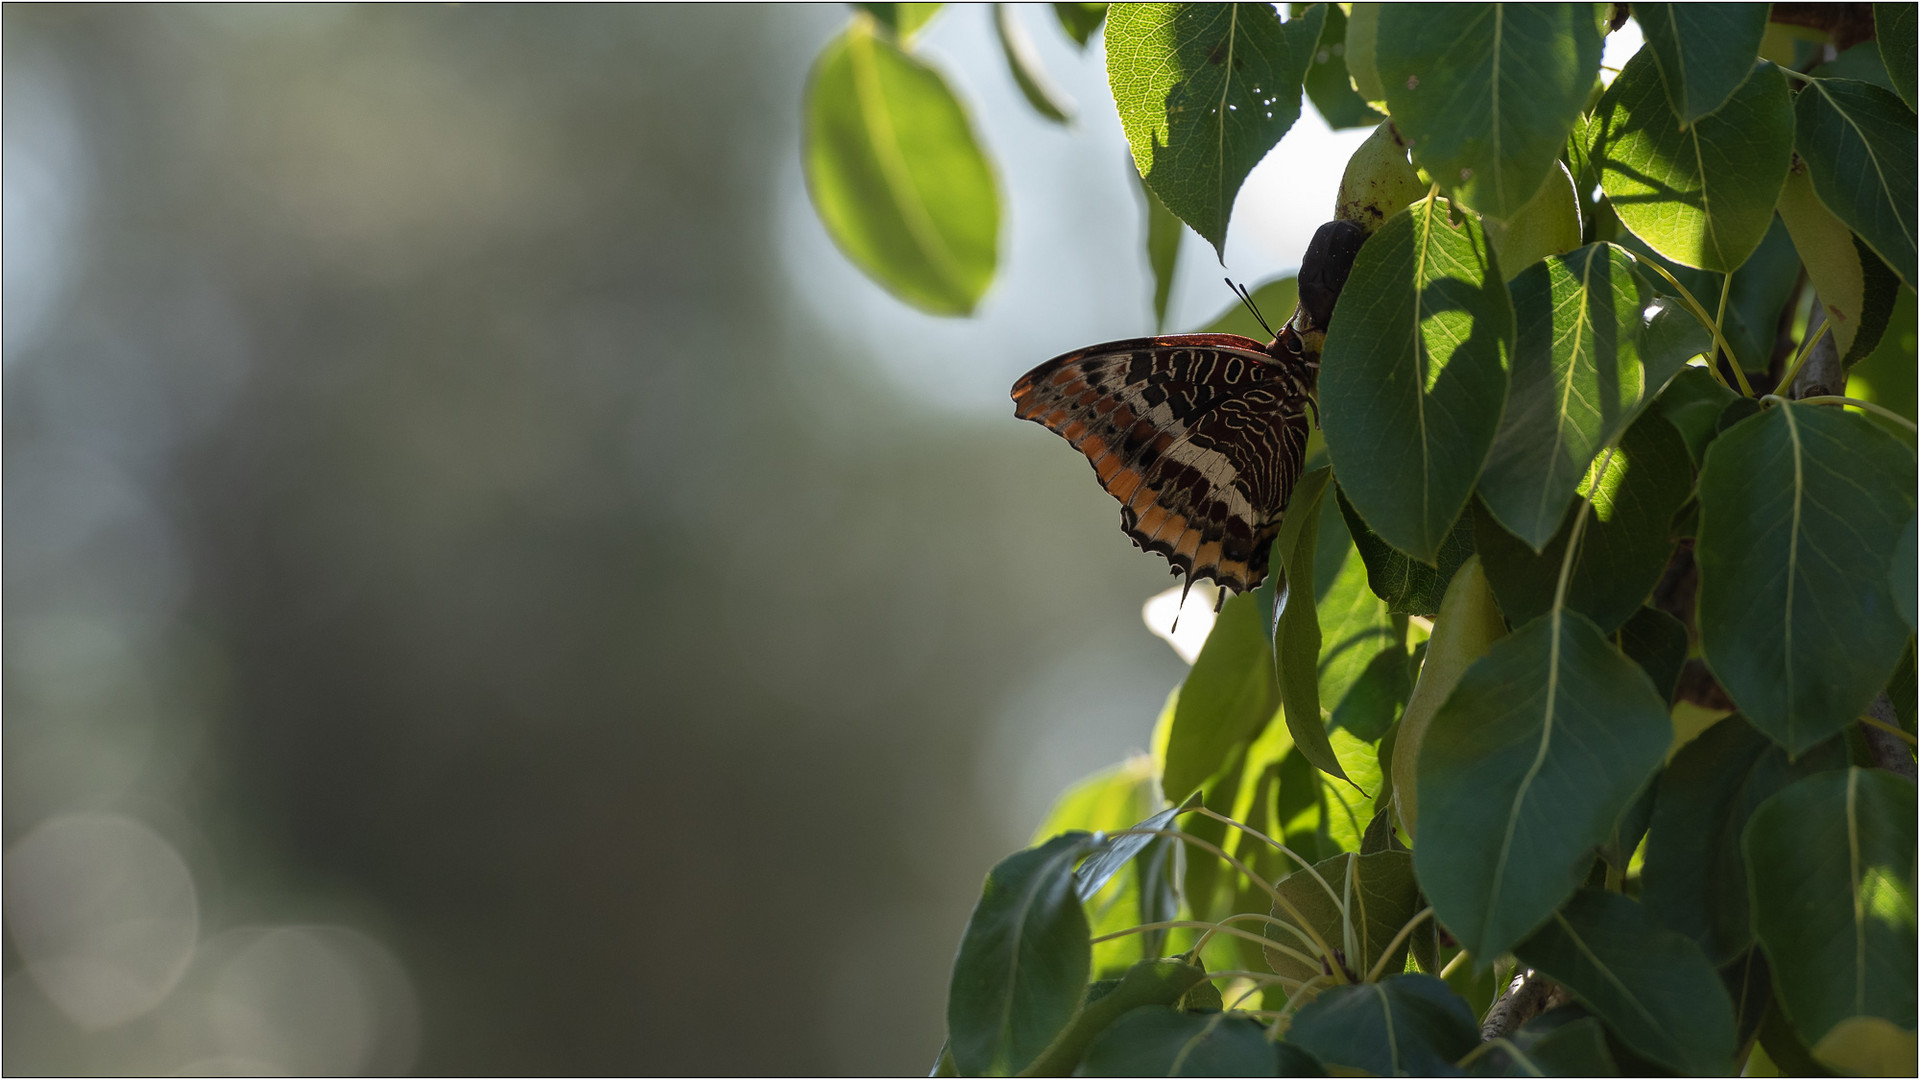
{"points": [[1700, 313], [1275, 844], [1458, 959], [1877, 410], [1719, 321], [1890, 729], [1806, 350], [1211, 928]]}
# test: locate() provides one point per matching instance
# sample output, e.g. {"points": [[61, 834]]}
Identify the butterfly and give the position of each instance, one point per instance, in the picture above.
{"points": [[1200, 436]]}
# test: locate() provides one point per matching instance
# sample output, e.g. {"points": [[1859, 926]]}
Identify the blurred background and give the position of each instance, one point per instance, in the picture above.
{"points": [[489, 588]]}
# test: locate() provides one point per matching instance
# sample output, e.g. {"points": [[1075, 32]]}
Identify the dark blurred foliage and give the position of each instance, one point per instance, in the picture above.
{"points": [[431, 509]]}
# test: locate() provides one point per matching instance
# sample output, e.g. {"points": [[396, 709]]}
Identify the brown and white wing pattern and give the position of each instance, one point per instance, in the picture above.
{"points": [[1200, 437]]}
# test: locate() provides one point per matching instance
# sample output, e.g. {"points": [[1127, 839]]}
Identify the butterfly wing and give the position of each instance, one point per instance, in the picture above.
{"points": [[1199, 436]]}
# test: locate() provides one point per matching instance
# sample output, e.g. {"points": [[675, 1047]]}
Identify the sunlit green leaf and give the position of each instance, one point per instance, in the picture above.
{"points": [[1623, 545], [1379, 896], [1023, 962], [1860, 148], [1695, 880], [1486, 92], [1149, 982], [897, 174], [1544, 742], [1414, 374], [1855, 287], [1028, 73], [1409, 587], [1649, 984], [1703, 51], [1327, 84], [902, 21], [1080, 20], [1296, 632], [1830, 862], [1549, 224], [1582, 368], [1702, 196], [1895, 32], [1355, 627], [1408, 1025], [1156, 1040], [1798, 626], [1204, 92], [1228, 697]]}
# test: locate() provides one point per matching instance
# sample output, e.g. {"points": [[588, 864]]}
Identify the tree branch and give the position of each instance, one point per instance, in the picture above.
{"points": [[1529, 995]]}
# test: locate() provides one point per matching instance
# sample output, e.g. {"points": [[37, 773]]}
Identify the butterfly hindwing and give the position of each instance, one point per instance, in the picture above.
{"points": [[1199, 436]]}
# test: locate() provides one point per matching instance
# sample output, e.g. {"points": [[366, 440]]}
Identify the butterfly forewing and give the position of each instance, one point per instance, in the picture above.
{"points": [[1199, 436]]}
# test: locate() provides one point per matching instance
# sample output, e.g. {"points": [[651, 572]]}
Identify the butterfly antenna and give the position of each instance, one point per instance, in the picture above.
{"points": [[1247, 299]]}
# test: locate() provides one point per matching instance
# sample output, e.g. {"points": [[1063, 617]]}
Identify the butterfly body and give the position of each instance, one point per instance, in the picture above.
{"points": [[1199, 436]]}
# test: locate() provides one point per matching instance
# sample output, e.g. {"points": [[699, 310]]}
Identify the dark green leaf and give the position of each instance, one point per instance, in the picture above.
{"points": [[1408, 1025], [1080, 20], [1485, 93], [1581, 371], [1658, 643], [1327, 83], [1204, 92], [1379, 896], [1901, 578], [1163, 254], [1527, 766], [1703, 51], [1695, 880], [1623, 545], [897, 175], [1861, 63], [1355, 627], [1575, 1048], [1023, 963], [1830, 865], [1149, 982], [1692, 403], [901, 21], [1228, 697], [1296, 632], [1895, 32], [1648, 983], [1109, 801], [1702, 196], [1762, 288], [1855, 286], [1860, 148], [1409, 587], [1795, 619], [1028, 73], [1156, 1040], [1414, 374]]}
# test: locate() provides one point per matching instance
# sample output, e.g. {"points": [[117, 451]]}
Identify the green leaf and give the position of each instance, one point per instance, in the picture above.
{"points": [[1762, 287], [1414, 374], [1109, 801], [1155, 1040], [1574, 1048], [1860, 147], [1623, 546], [901, 21], [1485, 93], [1080, 20], [1830, 867], [1692, 403], [1023, 962], [1582, 369], [1023, 61], [1349, 807], [1695, 879], [1702, 51], [1407, 1025], [1548, 225], [1355, 627], [1204, 92], [1658, 643], [1327, 84], [1856, 289], [1702, 196], [1861, 62], [1895, 32], [897, 175], [1296, 631], [1149, 982], [1542, 744], [1649, 984], [1468, 624], [1363, 32], [1901, 579], [1376, 891], [1278, 295], [1163, 255], [1228, 697], [1117, 852], [1409, 587], [1799, 628]]}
